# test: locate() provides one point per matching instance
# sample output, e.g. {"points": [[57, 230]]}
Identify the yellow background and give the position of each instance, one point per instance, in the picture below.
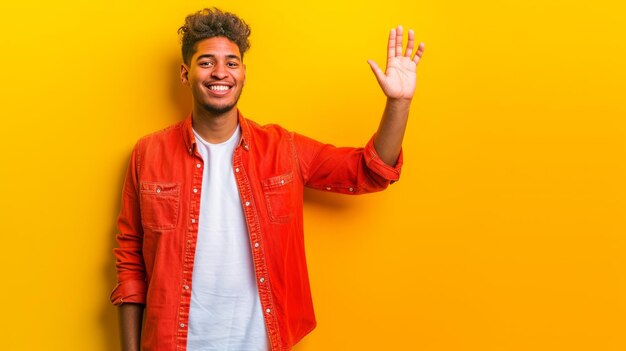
{"points": [[506, 232]]}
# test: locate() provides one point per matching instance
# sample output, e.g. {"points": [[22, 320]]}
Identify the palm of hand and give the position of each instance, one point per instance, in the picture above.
{"points": [[400, 78]]}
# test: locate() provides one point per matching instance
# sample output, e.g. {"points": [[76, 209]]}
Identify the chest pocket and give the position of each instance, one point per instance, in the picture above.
{"points": [[159, 205], [279, 197]]}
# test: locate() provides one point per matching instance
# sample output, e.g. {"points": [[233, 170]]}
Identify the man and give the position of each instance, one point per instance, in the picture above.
{"points": [[210, 236]]}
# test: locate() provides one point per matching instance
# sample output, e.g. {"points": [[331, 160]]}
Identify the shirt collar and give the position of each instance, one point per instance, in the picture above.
{"points": [[190, 139]]}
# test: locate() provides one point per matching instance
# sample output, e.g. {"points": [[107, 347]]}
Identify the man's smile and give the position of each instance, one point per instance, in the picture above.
{"points": [[218, 88]]}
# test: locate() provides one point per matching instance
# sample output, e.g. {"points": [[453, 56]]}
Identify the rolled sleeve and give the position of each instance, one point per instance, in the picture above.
{"points": [[378, 166], [345, 170], [130, 291]]}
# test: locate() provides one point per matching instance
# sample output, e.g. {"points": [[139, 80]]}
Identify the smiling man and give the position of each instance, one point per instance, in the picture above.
{"points": [[210, 240]]}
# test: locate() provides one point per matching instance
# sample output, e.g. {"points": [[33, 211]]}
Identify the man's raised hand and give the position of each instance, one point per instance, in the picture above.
{"points": [[398, 80]]}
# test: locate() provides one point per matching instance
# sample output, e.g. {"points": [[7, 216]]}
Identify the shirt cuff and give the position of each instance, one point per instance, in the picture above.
{"points": [[378, 166], [132, 291]]}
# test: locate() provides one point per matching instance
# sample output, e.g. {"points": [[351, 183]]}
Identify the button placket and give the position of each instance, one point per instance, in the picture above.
{"points": [[260, 266], [188, 262]]}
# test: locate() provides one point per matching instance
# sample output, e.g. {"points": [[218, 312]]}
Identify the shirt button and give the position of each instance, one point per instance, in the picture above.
{"points": [[195, 190], [198, 165], [247, 203], [262, 280], [186, 287], [193, 220], [327, 188], [268, 310], [282, 181], [351, 189], [158, 190], [237, 169], [182, 325], [256, 244]]}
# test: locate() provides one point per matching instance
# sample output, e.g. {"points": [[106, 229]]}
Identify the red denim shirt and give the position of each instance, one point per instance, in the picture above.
{"points": [[158, 223]]}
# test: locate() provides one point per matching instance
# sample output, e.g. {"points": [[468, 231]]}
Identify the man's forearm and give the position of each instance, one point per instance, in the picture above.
{"points": [[398, 82], [388, 140], [130, 318]]}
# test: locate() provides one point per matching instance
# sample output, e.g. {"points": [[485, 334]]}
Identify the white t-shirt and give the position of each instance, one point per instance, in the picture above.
{"points": [[225, 311]]}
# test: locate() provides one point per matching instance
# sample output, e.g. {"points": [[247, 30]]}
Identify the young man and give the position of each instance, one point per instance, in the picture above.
{"points": [[210, 231]]}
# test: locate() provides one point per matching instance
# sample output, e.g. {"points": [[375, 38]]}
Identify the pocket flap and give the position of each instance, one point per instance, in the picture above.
{"points": [[159, 188], [278, 180]]}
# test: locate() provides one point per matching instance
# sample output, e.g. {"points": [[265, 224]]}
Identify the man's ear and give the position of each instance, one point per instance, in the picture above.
{"points": [[184, 74], [244, 74]]}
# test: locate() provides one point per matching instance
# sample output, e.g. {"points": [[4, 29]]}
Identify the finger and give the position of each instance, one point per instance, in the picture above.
{"points": [[409, 44], [391, 47], [399, 41], [380, 76], [420, 52]]}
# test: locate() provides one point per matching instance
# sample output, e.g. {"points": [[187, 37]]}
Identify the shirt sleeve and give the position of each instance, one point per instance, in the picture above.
{"points": [[343, 169], [129, 263]]}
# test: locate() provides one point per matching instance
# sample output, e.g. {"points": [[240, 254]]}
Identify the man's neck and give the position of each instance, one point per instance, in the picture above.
{"points": [[214, 128]]}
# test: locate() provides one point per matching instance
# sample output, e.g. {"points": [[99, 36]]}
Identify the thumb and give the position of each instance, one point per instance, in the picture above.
{"points": [[380, 76]]}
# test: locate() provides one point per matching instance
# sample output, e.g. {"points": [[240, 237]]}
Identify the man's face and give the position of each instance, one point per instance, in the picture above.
{"points": [[215, 74]]}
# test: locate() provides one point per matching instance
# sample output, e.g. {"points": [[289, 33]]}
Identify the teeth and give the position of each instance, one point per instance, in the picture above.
{"points": [[219, 87]]}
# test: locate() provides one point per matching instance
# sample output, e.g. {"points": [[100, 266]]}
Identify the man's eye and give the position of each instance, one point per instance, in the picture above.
{"points": [[232, 64], [205, 64]]}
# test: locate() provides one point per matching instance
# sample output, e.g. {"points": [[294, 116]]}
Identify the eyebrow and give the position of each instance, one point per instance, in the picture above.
{"points": [[213, 56]]}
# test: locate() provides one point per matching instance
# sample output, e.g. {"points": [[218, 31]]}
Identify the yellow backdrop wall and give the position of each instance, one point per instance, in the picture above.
{"points": [[506, 232]]}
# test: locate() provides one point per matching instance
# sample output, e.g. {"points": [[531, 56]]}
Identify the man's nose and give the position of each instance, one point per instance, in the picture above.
{"points": [[219, 72]]}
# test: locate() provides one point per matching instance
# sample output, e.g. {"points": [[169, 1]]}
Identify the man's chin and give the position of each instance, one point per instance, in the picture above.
{"points": [[218, 109]]}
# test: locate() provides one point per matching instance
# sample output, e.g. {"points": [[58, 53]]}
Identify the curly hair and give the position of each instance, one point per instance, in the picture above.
{"points": [[209, 23]]}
